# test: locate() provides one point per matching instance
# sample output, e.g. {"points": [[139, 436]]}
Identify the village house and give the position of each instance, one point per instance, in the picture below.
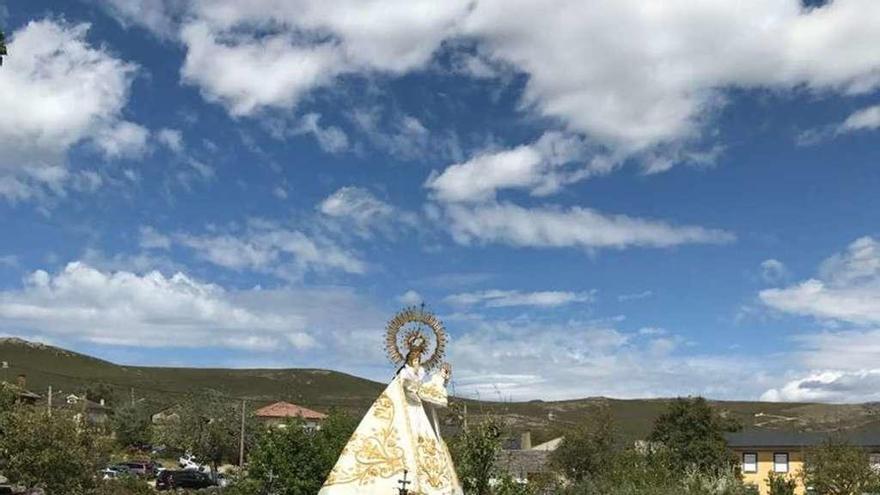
{"points": [[95, 413], [764, 451], [277, 414], [524, 462], [23, 395]]}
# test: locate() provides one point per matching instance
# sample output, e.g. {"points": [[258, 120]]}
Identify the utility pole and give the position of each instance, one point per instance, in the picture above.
{"points": [[241, 439], [49, 401]]}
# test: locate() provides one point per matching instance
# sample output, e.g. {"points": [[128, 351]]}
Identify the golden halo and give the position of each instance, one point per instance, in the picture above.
{"points": [[414, 321]]}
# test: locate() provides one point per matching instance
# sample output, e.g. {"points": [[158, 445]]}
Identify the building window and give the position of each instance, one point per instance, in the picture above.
{"points": [[780, 463], [750, 462]]}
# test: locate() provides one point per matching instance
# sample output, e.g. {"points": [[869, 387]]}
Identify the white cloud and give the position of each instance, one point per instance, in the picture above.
{"points": [[508, 298], [156, 15], [572, 227], [125, 140], [839, 364], [357, 204], [522, 360], [124, 308], [331, 139], [410, 298], [659, 83], [864, 119], [829, 386], [537, 167], [355, 209], [265, 247], [312, 43], [847, 290], [404, 136], [153, 239], [773, 271], [171, 139], [657, 87], [56, 92]]}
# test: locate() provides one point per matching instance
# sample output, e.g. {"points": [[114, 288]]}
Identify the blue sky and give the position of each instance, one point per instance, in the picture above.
{"points": [[620, 200]]}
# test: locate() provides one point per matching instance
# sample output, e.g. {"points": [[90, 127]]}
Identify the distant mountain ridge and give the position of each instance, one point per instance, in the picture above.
{"points": [[67, 371]]}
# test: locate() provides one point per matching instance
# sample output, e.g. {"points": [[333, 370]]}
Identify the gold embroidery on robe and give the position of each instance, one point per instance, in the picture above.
{"points": [[432, 463], [376, 455]]}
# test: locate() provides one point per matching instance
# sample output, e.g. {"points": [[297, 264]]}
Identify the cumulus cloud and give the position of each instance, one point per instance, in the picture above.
{"points": [[829, 386], [573, 227], [58, 91], [125, 308], [659, 83], [266, 247], [847, 288], [841, 360], [507, 298], [312, 43], [656, 87]]}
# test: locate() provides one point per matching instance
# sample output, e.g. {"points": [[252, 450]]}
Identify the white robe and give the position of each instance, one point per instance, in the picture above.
{"points": [[396, 435]]}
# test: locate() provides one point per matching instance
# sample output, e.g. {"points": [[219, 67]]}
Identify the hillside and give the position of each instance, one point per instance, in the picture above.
{"points": [[70, 372]]}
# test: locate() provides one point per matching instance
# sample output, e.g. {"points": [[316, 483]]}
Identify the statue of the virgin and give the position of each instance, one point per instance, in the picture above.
{"points": [[397, 441]]}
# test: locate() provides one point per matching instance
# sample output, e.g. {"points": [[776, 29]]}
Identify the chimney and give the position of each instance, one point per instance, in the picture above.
{"points": [[525, 441], [22, 381]]}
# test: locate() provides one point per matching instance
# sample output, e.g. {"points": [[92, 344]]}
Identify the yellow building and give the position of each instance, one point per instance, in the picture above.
{"points": [[764, 451]]}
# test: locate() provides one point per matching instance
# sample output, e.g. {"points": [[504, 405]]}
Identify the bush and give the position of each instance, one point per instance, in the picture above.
{"points": [[126, 485], [56, 453], [587, 449], [780, 484], [473, 452], [293, 460], [838, 468]]}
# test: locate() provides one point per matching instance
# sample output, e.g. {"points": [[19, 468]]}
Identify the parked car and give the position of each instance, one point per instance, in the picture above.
{"points": [[113, 472], [170, 480], [189, 462]]}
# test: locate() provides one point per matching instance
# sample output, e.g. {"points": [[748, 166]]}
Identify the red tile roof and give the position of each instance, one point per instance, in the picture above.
{"points": [[288, 410]]}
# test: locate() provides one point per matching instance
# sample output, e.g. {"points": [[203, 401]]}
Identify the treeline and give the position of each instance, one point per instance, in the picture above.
{"points": [[685, 454]]}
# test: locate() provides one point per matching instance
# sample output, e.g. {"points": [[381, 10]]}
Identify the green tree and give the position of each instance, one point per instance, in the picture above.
{"points": [[132, 426], [96, 392], [474, 451], [54, 452], [693, 433], [294, 460], [209, 427], [838, 468], [587, 450]]}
